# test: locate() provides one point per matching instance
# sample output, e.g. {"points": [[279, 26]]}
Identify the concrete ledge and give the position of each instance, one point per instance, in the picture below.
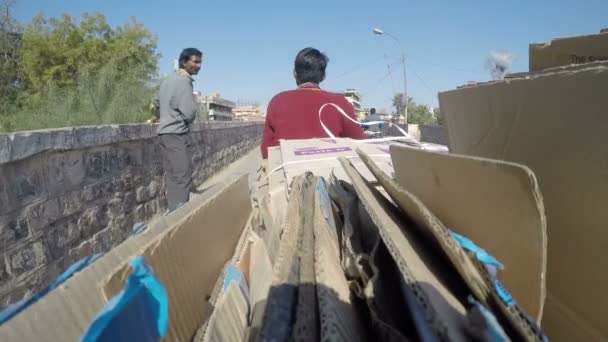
{"points": [[21, 145]]}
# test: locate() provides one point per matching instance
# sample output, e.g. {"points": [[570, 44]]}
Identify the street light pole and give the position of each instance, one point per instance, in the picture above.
{"points": [[404, 101]]}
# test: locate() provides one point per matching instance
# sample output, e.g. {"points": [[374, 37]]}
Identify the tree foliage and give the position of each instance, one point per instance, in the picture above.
{"points": [[55, 50], [416, 113], [11, 77], [77, 72]]}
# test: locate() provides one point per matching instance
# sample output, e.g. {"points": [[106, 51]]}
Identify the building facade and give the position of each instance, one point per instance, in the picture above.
{"points": [[216, 108]]}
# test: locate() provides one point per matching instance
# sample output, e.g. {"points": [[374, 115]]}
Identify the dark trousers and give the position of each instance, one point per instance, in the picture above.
{"points": [[178, 169]]}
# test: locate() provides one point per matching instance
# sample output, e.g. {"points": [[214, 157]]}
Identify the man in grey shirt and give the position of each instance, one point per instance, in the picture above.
{"points": [[177, 108]]}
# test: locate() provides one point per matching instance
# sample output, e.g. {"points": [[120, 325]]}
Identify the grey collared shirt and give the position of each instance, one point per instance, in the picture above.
{"points": [[176, 104]]}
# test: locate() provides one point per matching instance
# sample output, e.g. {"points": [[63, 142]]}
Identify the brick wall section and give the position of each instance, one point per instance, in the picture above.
{"points": [[69, 193]]}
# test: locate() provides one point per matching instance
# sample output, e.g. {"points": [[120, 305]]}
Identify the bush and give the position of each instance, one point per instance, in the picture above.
{"points": [[109, 96]]}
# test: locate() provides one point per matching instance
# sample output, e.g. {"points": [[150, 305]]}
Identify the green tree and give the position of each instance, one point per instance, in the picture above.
{"points": [[416, 113], [82, 72], [55, 50], [398, 104], [438, 116], [11, 78]]}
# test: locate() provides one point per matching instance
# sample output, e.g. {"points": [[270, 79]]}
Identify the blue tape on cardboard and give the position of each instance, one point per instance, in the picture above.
{"points": [[233, 273], [140, 312], [479, 252]]}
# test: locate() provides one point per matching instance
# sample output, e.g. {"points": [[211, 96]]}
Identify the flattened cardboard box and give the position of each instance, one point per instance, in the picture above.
{"points": [[554, 122], [206, 236], [496, 204], [320, 156], [569, 50]]}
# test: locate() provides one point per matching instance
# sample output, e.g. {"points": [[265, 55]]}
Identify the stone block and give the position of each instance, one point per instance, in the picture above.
{"points": [[92, 220], [135, 132], [27, 144], [95, 136], [71, 203], [41, 214], [63, 235], [27, 258], [154, 188], [83, 250], [129, 202], [98, 190], [15, 294], [102, 241], [3, 273], [56, 239], [140, 213], [115, 208], [105, 162], [5, 148], [66, 171], [152, 208], [142, 194], [13, 229], [22, 183]]}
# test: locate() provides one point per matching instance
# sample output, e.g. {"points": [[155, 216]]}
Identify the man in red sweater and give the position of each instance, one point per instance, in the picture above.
{"points": [[294, 114]]}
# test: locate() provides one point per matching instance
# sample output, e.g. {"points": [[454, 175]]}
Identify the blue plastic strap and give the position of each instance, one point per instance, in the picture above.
{"points": [[479, 252], [489, 261], [16, 308], [503, 293], [139, 312]]}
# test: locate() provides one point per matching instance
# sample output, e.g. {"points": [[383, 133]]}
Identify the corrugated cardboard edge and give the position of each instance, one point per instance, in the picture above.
{"points": [[423, 217], [531, 75], [338, 317], [538, 51], [520, 174], [575, 300], [229, 319], [445, 313], [171, 255], [65, 313]]}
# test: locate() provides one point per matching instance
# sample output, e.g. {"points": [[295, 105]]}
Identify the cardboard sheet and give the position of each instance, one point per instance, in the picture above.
{"points": [[421, 269], [277, 190], [434, 229], [65, 313], [320, 156], [189, 257], [569, 50], [496, 204], [554, 122]]}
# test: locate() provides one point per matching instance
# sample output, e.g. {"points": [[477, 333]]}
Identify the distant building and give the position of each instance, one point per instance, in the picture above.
{"points": [[353, 96], [248, 113], [215, 108]]}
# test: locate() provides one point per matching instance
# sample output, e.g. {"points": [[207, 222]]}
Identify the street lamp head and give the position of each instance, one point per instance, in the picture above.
{"points": [[378, 31]]}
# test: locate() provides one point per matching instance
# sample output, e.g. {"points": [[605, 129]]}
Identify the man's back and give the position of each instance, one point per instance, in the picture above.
{"points": [[294, 114]]}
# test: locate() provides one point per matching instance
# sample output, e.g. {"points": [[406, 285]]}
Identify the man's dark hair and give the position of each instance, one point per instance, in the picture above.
{"points": [[372, 111], [310, 66], [187, 54]]}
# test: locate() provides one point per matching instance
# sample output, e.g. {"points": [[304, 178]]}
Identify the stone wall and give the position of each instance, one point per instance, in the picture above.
{"points": [[69, 193], [434, 134], [425, 133]]}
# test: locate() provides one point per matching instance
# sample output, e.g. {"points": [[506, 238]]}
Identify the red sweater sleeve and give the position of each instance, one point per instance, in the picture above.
{"points": [[268, 133], [351, 129]]}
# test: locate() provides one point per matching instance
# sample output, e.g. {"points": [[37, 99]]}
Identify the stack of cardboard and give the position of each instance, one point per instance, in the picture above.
{"points": [[553, 121], [362, 258]]}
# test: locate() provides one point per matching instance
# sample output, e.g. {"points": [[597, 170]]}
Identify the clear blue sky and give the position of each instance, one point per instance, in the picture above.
{"points": [[250, 45]]}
